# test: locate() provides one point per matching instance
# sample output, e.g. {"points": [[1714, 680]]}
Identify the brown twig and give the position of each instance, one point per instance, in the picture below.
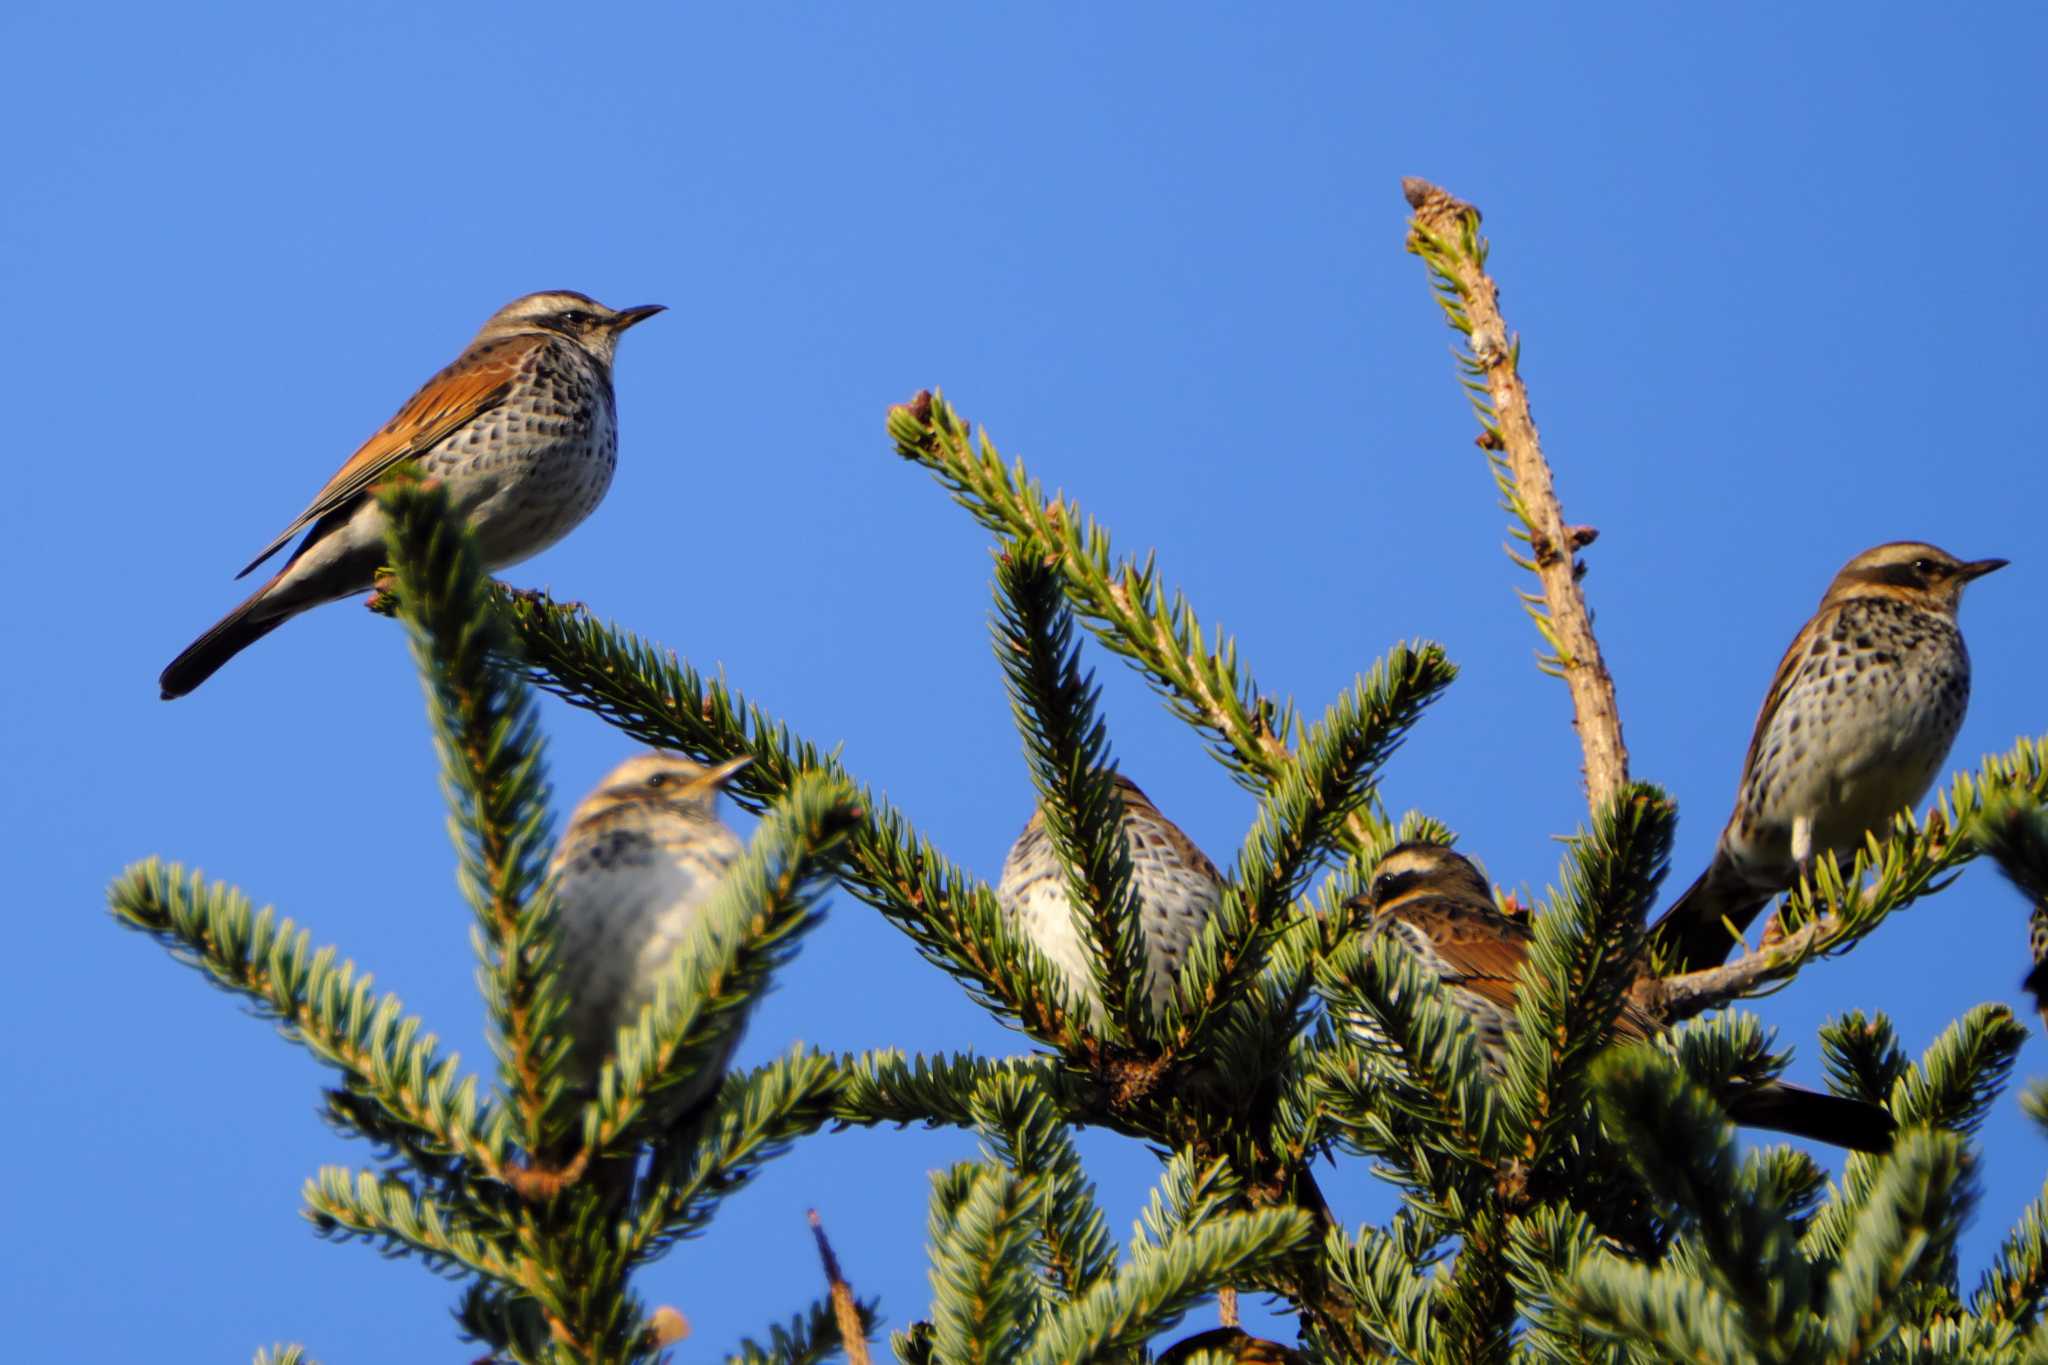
{"points": [[1445, 233], [845, 1311], [1682, 997]]}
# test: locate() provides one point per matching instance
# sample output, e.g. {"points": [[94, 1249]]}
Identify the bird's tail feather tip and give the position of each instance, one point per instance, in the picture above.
{"points": [[205, 656]]}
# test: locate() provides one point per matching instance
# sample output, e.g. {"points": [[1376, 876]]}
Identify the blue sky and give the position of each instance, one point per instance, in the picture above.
{"points": [[1775, 281]]}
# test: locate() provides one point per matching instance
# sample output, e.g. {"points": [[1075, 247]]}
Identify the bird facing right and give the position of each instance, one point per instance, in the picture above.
{"points": [[633, 876], [1855, 727], [1436, 905], [520, 429]]}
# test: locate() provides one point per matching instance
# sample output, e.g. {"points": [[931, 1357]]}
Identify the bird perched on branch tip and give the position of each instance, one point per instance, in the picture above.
{"points": [[522, 432], [1854, 728]]}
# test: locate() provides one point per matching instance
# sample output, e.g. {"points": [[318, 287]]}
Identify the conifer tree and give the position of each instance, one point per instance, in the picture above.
{"points": [[1574, 1200]]}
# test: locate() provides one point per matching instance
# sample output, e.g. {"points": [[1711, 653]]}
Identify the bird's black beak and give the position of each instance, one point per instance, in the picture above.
{"points": [[1977, 568], [629, 317]]}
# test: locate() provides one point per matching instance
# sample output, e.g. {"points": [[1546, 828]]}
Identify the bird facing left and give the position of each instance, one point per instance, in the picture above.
{"points": [[1435, 904], [522, 432]]}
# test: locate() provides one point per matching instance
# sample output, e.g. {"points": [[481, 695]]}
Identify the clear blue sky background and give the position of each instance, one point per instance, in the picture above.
{"points": [[1778, 291]]}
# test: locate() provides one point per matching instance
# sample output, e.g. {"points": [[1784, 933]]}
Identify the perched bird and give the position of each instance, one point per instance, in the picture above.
{"points": [[521, 431], [640, 861], [1437, 906], [1854, 728], [1178, 889]]}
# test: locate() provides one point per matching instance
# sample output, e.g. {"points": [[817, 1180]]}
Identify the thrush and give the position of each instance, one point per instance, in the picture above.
{"points": [[632, 877], [1437, 906], [1854, 728], [522, 432], [1177, 889]]}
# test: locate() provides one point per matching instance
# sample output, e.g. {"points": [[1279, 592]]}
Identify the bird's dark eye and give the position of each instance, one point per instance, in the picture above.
{"points": [[1927, 567], [658, 780], [576, 318]]}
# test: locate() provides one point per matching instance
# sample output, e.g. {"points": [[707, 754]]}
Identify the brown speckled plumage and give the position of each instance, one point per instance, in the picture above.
{"points": [[1178, 890], [1854, 728], [1437, 906], [520, 430]]}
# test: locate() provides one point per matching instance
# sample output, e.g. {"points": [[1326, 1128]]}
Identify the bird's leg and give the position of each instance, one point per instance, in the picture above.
{"points": [[1802, 865], [1802, 843], [383, 592]]}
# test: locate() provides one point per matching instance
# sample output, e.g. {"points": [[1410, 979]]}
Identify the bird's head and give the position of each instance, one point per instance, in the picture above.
{"points": [[1911, 571], [1134, 799], [566, 313], [1415, 868], [660, 781]]}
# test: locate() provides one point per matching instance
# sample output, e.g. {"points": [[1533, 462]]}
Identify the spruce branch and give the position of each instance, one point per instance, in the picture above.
{"points": [[1476, 1301], [331, 1010], [645, 691], [1584, 955], [1310, 809], [846, 1311], [1259, 1035], [509, 1322], [1424, 1058], [1829, 913], [386, 1211], [283, 1354], [810, 1338], [1863, 1056], [1067, 745], [1676, 1317], [1386, 1280], [883, 1086], [1915, 1209], [1444, 232], [984, 1305], [2015, 1285], [1122, 603], [2012, 826], [1191, 1192], [492, 770], [1962, 1071], [1027, 1133], [1152, 1290], [1682, 1147], [710, 1157], [1547, 1247], [1948, 1090]]}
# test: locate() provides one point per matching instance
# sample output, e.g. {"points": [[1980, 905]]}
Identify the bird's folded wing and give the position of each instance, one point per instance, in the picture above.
{"points": [[1782, 683], [450, 400]]}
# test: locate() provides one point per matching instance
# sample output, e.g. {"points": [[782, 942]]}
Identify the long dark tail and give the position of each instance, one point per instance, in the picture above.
{"points": [[1691, 935], [1815, 1116], [227, 637]]}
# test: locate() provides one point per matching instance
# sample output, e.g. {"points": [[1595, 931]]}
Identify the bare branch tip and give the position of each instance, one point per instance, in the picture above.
{"points": [[831, 1262], [1434, 203]]}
